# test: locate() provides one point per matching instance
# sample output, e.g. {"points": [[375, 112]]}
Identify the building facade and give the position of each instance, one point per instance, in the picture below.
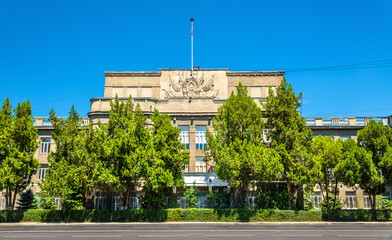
{"points": [[192, 100]]}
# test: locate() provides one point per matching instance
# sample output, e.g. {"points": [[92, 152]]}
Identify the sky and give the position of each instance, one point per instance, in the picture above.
{"points": [[54, 53]]}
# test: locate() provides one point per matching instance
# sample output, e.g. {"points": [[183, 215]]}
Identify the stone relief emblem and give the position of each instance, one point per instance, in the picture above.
{"points": [[190, 86]]}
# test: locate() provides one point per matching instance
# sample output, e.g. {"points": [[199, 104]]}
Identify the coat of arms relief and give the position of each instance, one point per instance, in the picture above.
{"points": [[190, 86]]}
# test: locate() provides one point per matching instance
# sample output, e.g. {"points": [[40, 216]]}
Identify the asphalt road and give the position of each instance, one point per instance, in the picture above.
{"points": [[190, 231]]}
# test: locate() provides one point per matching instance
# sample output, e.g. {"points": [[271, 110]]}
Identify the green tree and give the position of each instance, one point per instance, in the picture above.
{"points": [[290, 136], [368, 163], [27, 200], [327, 155], [164, 159], [237, 145], [18, 143], [127, 142], [190, 195], [76, 168]]}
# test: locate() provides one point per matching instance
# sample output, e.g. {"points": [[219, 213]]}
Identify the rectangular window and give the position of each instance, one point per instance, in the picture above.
{"points": [[42, 173], [134, 202], [116, 202], [45, 145], [266, 135], [100, 200], [351, 200], [251, 202], [2, 206], [316, 198], [181, 202], [186, 168], [202, 202], [366, 201], [200, 165], [184, 135], [201, 140], [57, 203]]}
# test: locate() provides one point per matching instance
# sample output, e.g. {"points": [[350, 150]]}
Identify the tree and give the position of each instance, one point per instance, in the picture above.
{"points": [[164, 159], [190, 196], [27, 200], [128, 139], [327, 155], [357, 167], [290, 135], [76, 168], [18, 143], [237, 146]]}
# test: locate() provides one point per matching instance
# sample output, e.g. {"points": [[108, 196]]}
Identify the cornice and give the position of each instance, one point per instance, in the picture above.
{"points": [[255, 74], [133, 74]]}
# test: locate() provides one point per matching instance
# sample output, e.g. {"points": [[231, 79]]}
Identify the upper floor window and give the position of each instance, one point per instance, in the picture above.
{"points": [[200, 165], [266, 135], [184, 135], [201, 140], [42, 173], [45, 145]]}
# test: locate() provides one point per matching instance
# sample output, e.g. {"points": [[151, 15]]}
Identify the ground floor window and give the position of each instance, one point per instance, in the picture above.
{"points": [[366, 202], [100, 200], [351, 200], [2, 205], [316, 198], [57, 203]]}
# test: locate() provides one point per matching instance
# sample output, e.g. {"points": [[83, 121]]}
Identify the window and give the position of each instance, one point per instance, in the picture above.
{"points": [[2, 206], [344, 138], [266, 135], [184, 135], [251, 202], [351, 199], [202, 202], [200, 165], [100, 200], [42, 173], [134, 202], [26, 177], [45, 145], [201, 140], [57, 203], [366, 201], [316, 198], [181, 202], [116, 202], [186, 168]]}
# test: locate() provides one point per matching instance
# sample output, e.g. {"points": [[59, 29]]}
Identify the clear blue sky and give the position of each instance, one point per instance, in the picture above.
{"points": [[55, 52]]}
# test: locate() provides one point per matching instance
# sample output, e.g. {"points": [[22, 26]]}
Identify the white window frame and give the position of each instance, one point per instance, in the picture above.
{"points": [[186, 168], [184, 138], [251, 202], [42, 173], [266, 137], [57, 203], [45, 146], [3, 201], [366, 202], [100, 200], [134, 201], [200, 140], [351, 200], [316, 199], [200, 166]]}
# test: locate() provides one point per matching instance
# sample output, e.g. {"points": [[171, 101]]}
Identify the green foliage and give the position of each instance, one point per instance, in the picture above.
{"points": [[382, 203], [218, 199], [237, 147], [190, 195], [162, 215], [164, 159], [290, 136], [268, 200], [327, 155], [357, 215], [76, 168], [328, 201], [18, 142], [27, 200], [126, 146]]}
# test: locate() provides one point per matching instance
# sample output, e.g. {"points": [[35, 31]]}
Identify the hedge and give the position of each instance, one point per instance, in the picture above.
{"points": [[350, 215], [163, 215]]}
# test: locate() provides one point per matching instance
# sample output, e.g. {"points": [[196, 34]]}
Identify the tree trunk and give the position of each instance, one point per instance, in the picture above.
{"points": [[8, 199], [246, 193], [127, 198], [14, 199]]}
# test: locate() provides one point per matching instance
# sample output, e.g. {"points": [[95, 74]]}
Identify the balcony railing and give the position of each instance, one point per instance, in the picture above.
{"points": [[45, 121], [343, 121]]}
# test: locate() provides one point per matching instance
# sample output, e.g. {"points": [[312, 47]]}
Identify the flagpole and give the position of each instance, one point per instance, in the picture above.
{"points": [[192, 19]]}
